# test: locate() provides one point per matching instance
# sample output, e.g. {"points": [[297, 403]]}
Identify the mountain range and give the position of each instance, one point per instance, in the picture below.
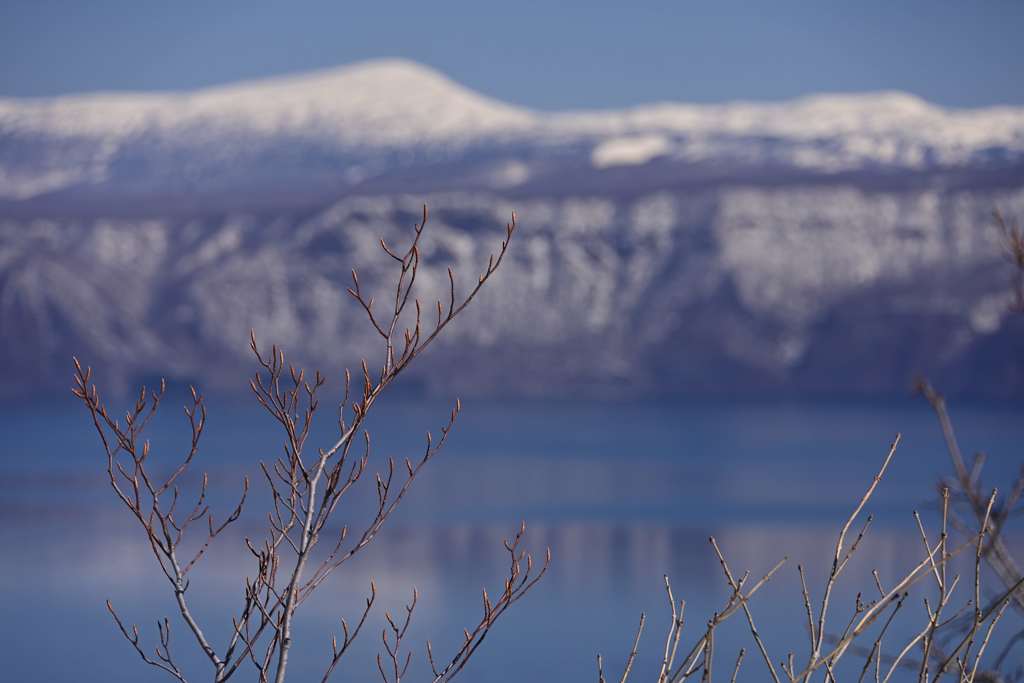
{"points": [[835, 244]]}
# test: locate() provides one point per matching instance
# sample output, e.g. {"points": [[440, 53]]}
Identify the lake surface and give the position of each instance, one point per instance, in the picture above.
{"points": [[623, 493]]}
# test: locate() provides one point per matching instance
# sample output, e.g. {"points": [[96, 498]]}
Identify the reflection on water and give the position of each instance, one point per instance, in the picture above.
{"points": [[621, 493]]}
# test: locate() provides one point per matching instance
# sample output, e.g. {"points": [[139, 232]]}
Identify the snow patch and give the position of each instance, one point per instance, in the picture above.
{"points": [[630, 151], [510, 174], [986, 315]]}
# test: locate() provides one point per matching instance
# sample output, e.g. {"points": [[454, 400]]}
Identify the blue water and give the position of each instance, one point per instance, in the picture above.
{"points": [[622, 493]]}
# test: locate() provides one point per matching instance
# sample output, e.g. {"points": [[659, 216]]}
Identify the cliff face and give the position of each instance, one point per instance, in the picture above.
{"points": [[836, 245], [725, 290]]}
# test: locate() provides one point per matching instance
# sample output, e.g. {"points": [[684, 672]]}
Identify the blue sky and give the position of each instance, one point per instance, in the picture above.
{"points": [[550, 55]]}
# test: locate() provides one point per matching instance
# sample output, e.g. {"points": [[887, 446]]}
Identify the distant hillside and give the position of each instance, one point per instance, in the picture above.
{"points": [[834, 244]]}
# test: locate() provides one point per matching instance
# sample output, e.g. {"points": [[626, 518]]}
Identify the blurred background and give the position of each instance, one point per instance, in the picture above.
{"points": [[744, 232]]}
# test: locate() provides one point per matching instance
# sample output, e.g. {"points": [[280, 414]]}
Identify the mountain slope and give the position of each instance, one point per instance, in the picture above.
{"points": [[833, 244], [726, 291], [374, 118]]}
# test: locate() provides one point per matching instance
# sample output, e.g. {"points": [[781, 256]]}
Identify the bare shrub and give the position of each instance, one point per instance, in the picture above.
{"points": [[970, 509], [970, 504], [305, 489], [945, 644], [871, 617], [945, 641]]}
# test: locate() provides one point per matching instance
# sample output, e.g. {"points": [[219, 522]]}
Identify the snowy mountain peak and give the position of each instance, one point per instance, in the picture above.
{"points": [[884, 101], [389, 78], [337, 119], [834, 241], [381, 101], [394, 100]]}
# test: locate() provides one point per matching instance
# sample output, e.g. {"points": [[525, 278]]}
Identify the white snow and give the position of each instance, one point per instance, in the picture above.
{"points": [[394, 101], [629, 151], [395, 104], [510, 174], [377, 102]]}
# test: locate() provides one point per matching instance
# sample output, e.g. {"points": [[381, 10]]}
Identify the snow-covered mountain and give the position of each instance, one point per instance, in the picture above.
{"points": [[342, 128], [834, 243]]}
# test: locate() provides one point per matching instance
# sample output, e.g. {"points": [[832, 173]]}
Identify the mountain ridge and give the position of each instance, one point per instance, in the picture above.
{"points": [[833, 244], [346, 115]]}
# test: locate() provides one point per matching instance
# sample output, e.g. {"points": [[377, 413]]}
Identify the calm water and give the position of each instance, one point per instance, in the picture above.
{"points": [[622, 493]]}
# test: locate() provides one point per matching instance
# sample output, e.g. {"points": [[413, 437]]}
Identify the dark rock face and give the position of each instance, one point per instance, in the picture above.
{"points": [[748, 290]]}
